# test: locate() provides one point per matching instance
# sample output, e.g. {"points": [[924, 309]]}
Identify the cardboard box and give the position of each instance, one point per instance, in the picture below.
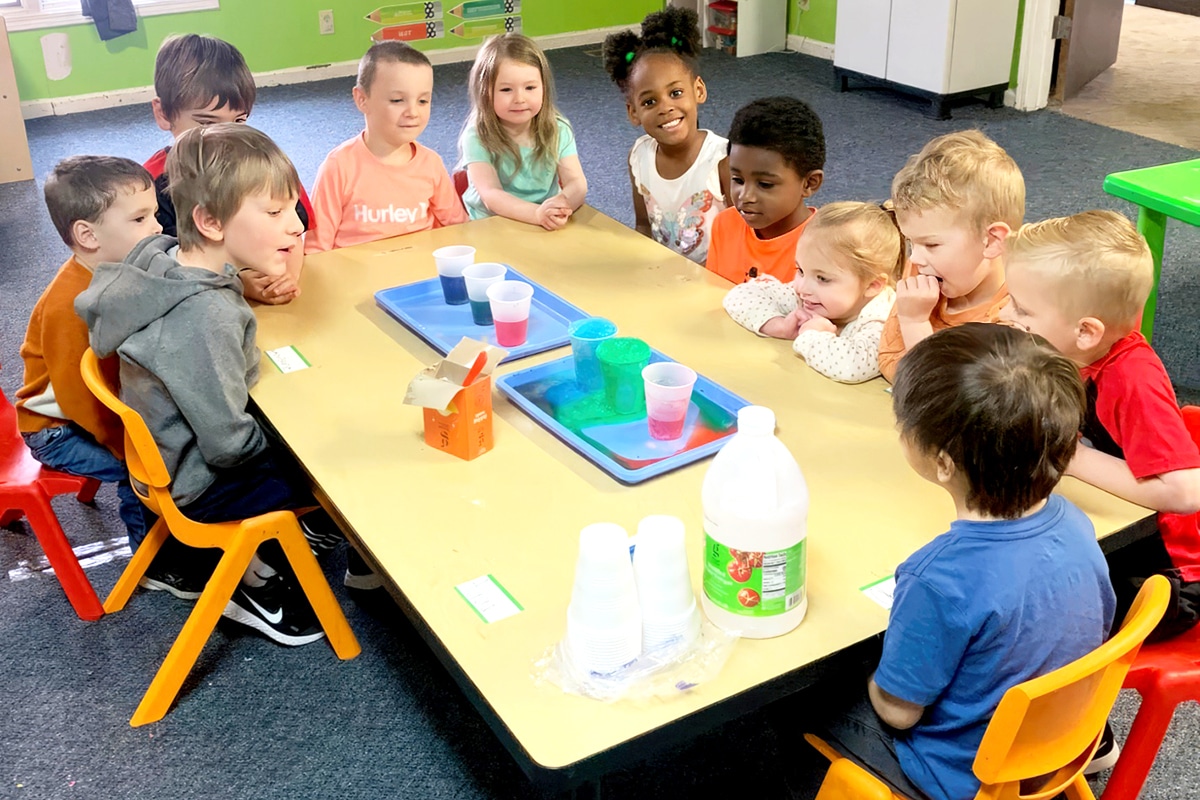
{"points": [[457, 403]]}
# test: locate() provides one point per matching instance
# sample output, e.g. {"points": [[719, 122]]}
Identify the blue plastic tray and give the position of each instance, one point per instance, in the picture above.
{"points": [[420, 308], [621, 446]]}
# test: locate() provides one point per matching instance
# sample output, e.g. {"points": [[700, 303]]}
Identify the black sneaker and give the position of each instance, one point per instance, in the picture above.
{"points": [[1106, 754], [322, 533], [358, 574], [278, 609], [183, 586]]}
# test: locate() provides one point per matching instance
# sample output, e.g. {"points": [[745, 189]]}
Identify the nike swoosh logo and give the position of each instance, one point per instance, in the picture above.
{"points": [[274, 618]]}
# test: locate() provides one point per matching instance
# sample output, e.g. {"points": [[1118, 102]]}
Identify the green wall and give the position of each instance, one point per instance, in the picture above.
{"points": [[270, 38], [819, 22]]}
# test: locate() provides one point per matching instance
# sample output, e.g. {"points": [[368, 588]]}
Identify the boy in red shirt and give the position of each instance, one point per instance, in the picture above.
{"points": [[1081, 282]]}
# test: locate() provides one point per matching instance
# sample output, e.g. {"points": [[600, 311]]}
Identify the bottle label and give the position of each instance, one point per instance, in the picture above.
{"points": [[754, 584]]}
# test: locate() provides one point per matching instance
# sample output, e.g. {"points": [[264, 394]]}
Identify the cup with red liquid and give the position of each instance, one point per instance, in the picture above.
{"points": [[478, 278], [668, 396], [509, 302]]}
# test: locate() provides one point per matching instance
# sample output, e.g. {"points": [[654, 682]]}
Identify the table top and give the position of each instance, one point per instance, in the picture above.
{"points": [[1172, 189], [432, 521]]}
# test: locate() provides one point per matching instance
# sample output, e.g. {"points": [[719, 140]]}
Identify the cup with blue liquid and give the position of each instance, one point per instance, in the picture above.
{"points": [[478, 278], [451, 261]]}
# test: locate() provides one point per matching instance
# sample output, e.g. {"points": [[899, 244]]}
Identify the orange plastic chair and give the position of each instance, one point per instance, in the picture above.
{"points": [[1045, 730], [25, 491], [1165, 674], [239, 540]]}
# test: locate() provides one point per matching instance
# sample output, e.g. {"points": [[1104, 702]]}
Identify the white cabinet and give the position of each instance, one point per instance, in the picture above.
{"points": [[943, 50], [760, 26]]}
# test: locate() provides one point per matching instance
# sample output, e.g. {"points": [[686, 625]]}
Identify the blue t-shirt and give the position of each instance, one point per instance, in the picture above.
{"points": [[535, 181], [978, 610]]}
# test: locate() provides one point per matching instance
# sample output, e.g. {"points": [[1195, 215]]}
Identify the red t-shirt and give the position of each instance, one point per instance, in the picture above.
{"points": [[1133, 414]]}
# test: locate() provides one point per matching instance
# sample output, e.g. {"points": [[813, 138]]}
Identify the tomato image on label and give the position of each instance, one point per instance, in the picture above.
{"points": [[748, 597], [740, 571]]}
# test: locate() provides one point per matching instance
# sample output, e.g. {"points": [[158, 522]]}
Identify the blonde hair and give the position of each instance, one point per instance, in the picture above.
{"points": [[216, 167], [865, 234], [482, 86], [1095, 263], [965, 172]]}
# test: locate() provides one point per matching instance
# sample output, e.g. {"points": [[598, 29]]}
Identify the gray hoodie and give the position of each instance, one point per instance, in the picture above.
{"points": [[185, 336]]}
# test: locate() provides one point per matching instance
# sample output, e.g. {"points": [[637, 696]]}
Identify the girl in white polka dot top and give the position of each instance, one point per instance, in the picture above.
{"points": [[847, 263]]}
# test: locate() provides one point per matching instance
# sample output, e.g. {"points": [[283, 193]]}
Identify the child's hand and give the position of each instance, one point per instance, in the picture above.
{"points": [[785, 327], [916, 298], [265, 289], [554, 212], [818, 324]]}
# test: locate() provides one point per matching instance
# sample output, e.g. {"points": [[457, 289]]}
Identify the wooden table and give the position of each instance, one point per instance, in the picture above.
{"points": [[1168, 190], [432, 521]]}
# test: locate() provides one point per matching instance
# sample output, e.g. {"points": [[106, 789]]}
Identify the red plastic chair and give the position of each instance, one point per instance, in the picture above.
{"points": [[25, 491], [1164, 674], [460, 181]]}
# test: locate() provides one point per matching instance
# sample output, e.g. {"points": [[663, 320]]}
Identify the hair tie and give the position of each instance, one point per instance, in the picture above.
{"points": [[629, 57]]}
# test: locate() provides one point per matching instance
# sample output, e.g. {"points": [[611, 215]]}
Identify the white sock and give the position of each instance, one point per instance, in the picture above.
{"points": [[258, 572]]}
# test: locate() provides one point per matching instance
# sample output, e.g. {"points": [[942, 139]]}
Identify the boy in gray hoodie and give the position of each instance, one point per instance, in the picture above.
{"points": [[176, 316]]}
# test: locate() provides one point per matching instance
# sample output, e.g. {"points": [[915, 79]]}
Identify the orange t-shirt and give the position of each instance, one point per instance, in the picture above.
{"points": [[357, 198], [737, 254], [891, 343]]}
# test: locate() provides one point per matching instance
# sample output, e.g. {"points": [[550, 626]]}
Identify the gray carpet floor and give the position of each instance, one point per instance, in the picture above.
{"points": [[259, 721]]}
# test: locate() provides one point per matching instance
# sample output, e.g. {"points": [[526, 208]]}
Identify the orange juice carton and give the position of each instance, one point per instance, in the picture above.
{"points": [[456, 394]]}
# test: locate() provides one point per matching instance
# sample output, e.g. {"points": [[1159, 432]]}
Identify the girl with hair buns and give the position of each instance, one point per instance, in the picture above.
{"points": [[679, 172]]}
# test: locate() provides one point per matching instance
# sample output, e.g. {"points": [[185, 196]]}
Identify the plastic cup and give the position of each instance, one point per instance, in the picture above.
{"points": [[451, 261], [622, 359], [510, 311], [585, 335], [604, 620], [478, 278], [668, 396], [670, 616]]}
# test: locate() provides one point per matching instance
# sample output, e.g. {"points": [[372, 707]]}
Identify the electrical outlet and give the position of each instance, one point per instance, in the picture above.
{"points": [[325, 21]]}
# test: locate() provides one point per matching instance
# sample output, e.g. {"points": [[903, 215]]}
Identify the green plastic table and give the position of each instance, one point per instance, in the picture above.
{"points": [[1169, 190]]}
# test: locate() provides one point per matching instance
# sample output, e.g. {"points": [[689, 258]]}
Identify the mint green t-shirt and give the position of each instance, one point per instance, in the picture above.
{"points": [[535, 181]]}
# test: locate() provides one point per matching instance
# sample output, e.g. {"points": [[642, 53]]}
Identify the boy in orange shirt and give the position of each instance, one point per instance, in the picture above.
{"points": [[102, 207], [1081, 282], [956, 202], [383, 182], [776, 162]]}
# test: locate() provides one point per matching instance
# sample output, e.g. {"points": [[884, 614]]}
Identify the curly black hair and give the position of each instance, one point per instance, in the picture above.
{"points": [[675, 31], [784, 125]]}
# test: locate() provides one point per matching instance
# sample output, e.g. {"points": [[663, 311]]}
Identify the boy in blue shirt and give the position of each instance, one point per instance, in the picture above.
{"points": [[1015, 589]]}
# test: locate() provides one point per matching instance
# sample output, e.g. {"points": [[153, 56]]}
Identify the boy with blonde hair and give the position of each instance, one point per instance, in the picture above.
{"points": [[102, 207], [1081, 282], [956, 202], [201, 80], [186, 338], [383, 182]]}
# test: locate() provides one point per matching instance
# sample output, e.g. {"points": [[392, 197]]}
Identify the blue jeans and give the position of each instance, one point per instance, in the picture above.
{"points": [[69, 448]]}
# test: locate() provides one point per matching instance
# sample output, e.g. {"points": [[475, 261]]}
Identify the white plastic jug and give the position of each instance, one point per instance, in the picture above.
{"points": [[755, 511]]}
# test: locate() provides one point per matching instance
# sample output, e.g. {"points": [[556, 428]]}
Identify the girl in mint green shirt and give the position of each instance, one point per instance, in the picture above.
{"points": [[518, 151]]}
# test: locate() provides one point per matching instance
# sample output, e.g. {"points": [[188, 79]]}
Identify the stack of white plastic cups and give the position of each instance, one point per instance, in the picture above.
{"points": [[604, 621], [670, 617]]}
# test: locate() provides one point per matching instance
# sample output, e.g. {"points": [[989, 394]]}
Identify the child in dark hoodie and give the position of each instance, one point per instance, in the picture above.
{"points": [[175, 315]]}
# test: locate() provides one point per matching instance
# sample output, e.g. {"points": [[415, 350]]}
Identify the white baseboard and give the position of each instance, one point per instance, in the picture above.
{"points": [[810, 46], [74, 104]]}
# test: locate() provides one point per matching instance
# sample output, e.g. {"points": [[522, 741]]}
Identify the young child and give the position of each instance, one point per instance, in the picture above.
{"points": [[679, 172], [185, 335], [102, 207], [518, 150], [1016, 588], [1081, 282], [382, 182], [834, 309], [956, 202], [776, 162], [201, 80]]}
